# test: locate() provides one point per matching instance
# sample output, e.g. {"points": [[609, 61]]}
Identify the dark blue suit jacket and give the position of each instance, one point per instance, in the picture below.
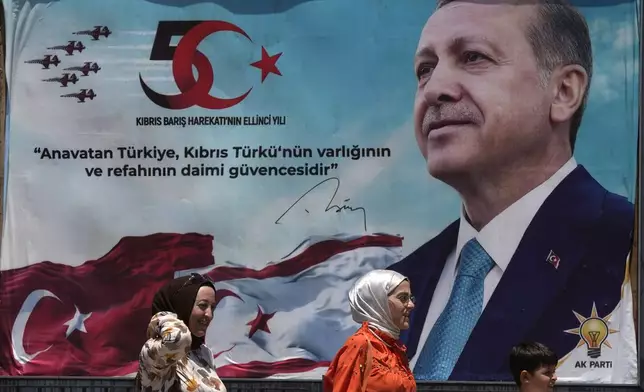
{"points": [[589, 228]]}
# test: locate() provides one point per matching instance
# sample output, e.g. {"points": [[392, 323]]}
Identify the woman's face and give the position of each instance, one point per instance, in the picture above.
{"points": [[401, 304], [202, 311]]}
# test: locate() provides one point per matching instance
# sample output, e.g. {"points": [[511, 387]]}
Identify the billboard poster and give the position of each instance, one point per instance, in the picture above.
{"points": [[286, 148]]}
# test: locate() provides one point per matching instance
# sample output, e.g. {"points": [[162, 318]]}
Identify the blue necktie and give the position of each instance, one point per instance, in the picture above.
{"points": [[452, 329]]}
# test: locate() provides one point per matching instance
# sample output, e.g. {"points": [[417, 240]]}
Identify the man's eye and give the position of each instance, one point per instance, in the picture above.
{"points": [[423, 70], [473, 56]]}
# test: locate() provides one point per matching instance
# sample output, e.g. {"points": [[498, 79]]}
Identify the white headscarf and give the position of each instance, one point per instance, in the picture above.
{"points": [[369, 300]]}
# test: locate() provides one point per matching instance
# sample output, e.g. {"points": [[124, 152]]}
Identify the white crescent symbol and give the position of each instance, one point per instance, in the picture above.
{"points": [[18, 330]]}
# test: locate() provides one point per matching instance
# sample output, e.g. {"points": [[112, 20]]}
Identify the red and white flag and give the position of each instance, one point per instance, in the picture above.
{"points": [[284, 320], [90, 320], [288, 319]]}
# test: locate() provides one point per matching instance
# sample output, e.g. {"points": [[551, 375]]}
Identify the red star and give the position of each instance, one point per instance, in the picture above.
{"points": [[260, 322], [267, 64]]}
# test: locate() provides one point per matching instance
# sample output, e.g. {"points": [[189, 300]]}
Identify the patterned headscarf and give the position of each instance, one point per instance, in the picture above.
{"points": [[369, 300], [178, 296]]}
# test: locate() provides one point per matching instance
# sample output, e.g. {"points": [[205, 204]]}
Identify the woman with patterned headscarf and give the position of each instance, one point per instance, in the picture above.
{"points": [[175, 358], [373, 359]]}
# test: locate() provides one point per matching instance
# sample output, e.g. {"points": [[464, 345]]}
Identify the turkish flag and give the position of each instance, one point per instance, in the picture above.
{"points": [[90, 320]]}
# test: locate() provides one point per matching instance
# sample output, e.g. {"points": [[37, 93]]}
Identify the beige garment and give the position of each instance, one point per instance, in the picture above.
{"points": [[369, 300], [166, 357]]}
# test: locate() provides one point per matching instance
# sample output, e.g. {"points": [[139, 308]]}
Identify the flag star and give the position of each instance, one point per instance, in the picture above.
{"points": [[260, 322], [268, 64], [77, 322]]}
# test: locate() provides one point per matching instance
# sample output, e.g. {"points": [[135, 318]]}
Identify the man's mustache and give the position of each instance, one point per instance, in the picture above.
{"points": [[438, 116]]}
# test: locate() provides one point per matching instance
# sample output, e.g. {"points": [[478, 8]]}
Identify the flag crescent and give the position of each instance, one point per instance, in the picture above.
{"points": [[18, 330]]}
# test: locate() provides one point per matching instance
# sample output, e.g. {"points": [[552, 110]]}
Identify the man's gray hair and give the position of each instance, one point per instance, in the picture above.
{"points": [[558, 36]]}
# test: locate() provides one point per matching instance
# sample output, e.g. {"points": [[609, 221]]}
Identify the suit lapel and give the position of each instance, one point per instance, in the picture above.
{"points": [[530, 282], [429, 261]]}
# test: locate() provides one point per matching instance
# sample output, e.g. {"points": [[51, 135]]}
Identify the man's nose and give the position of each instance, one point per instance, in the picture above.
{"points": [[443, 85]]}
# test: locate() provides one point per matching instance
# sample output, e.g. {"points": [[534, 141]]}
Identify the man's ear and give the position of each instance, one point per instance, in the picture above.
{"points": [[525, 377], [568, 87]]}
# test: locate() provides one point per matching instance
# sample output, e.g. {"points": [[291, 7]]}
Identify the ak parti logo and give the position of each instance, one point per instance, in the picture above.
{"points": [[185, 56]]}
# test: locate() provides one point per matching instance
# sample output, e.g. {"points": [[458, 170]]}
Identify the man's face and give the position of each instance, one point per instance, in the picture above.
{"points": [[480, 105], [542, 380]]}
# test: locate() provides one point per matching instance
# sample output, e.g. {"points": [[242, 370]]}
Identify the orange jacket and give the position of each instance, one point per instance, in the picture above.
{"points": [[370, 361]]}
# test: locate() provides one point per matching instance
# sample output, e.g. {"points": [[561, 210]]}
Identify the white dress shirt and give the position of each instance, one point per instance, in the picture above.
{"points": [[500, 239]]}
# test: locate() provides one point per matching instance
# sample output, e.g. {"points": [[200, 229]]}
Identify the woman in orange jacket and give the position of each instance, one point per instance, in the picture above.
{"points": [[373, 359]]}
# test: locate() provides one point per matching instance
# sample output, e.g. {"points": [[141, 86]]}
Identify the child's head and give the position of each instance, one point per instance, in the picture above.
{"points": [[533, 366]]}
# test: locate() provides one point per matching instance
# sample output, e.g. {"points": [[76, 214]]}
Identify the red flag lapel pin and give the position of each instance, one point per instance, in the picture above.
{"points": [[553, 259]]}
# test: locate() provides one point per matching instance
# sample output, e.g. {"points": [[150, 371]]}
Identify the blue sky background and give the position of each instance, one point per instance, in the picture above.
{"points": [[347, 79]]}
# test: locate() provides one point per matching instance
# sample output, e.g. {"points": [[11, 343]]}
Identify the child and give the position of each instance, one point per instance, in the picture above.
{"points": [[533, 367]]}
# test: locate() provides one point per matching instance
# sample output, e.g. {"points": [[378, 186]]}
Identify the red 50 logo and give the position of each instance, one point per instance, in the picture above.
{"points": [[185, 55]]}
